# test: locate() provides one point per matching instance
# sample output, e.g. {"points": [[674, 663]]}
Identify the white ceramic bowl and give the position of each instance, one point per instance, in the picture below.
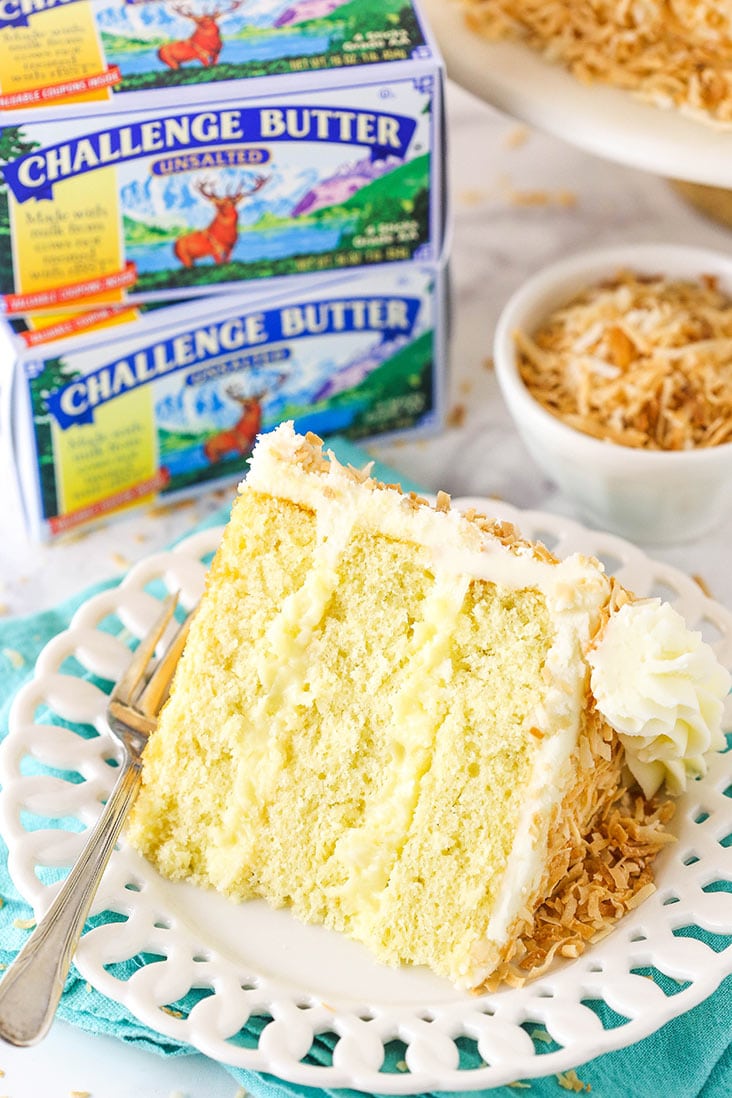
{"points": [[657, 497]]}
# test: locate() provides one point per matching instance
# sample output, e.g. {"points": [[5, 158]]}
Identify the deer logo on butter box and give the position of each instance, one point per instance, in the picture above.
{"points": [[219, 238], [204, 44], [163, 204]]}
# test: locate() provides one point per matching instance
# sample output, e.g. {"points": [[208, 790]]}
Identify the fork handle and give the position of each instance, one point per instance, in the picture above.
{"points": [[32, 986]]}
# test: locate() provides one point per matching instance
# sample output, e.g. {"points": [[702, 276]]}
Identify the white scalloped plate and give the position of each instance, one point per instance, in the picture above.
{"points": [[303, 982], [606, 121]]}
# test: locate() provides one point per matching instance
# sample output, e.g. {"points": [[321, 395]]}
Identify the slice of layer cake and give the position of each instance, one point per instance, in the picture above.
{"points": [[383, 720]]}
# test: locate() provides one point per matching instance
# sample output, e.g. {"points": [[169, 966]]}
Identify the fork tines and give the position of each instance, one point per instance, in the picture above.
{"points": [[146, 694]]}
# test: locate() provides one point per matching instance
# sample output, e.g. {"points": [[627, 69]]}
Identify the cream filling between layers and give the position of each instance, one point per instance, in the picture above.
{"points": [[575, 591], [370, 850]]}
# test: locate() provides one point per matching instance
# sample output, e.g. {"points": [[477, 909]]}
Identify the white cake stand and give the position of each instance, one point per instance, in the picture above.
{"points": [[602, 120]]}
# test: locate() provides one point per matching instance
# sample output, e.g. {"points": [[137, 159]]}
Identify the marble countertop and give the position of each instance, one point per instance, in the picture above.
{"points": [[520, 200]]}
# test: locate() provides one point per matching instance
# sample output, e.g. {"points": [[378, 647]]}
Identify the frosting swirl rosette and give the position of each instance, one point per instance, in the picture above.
{"points": [[662, 689]]}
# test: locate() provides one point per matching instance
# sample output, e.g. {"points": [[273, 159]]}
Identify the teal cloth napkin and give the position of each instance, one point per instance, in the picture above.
{"points": [[690, 1057]]}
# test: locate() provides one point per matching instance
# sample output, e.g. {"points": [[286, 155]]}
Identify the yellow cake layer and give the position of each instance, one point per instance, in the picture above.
{"points": [[366, 728]]}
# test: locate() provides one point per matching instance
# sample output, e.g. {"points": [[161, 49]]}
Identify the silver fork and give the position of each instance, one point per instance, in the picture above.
{"points": [[32, 986]]}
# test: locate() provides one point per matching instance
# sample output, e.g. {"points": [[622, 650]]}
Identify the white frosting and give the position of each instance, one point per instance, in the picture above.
{"points": [[662, 689], [570, 584]]}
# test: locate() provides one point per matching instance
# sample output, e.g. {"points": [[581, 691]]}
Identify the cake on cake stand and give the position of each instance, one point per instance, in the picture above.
{"points": [[602, 120]]}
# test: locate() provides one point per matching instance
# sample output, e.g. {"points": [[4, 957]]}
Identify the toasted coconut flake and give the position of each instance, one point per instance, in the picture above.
{"points": [[540, 1035], [642, 362], [599, 867], [456, 416], [569, 1080], [310, 456], [701, 582], [542, 198], [24, 924], [517, 137], [14, 658], [673, 55]]}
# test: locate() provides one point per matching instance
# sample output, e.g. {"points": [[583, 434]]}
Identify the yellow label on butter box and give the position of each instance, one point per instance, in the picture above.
{"points": [[118, 455], [56, 52], [74, 233]]}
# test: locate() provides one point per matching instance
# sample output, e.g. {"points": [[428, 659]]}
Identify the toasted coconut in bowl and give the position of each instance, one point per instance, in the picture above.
{"points": [[616, 366]]}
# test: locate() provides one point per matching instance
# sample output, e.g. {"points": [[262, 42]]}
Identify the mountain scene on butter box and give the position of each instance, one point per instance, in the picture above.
{"points": [[387, 388], [293, 213], [287, 243], [158, 43]]}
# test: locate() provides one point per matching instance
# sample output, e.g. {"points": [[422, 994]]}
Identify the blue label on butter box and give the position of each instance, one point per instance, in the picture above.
{"points": [[34, 174], [391, 317]]}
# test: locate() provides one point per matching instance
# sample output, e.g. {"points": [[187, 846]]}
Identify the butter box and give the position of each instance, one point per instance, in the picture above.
{"points": [[125, 54], [170, 400], [150, 205]]}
